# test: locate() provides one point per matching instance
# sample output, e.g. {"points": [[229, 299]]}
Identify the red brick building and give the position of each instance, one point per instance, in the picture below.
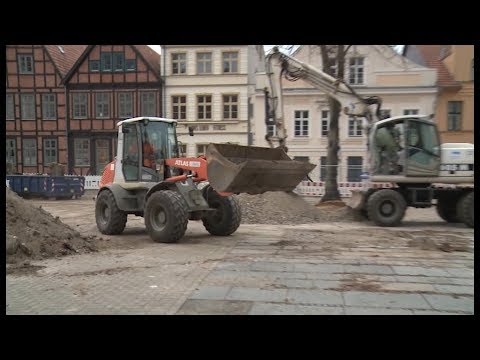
{"points": [[63, 102], [35, 117]]}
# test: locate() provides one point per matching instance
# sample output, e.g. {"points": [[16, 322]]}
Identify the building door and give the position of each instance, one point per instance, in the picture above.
{"points": [[102, 154]]}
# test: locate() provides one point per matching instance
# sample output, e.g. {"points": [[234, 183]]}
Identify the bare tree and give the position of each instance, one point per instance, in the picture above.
{"points": [[333, 56]]}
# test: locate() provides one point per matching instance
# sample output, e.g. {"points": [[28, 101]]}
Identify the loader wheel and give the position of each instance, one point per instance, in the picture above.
{"points": [[227, 216], [465, 208], [447, 208], [166, 216], [110, 219], [386, 207]]}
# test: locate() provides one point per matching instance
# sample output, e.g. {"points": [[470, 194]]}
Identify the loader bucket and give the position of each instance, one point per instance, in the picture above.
{"points": [[253, 170], [357, 200]]}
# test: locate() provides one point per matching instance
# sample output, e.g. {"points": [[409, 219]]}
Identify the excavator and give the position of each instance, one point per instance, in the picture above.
{"points": [[403, 151]]}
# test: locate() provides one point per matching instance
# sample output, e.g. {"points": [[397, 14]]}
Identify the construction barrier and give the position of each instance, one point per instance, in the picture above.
{"points": [[92, 182], [312, 188]]}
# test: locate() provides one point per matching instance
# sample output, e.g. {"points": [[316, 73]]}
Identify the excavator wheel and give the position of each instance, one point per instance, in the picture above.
{"points": [[166, 216], [465, 209], [110, 219], [227, 216], [447, 208], [386, 207]]}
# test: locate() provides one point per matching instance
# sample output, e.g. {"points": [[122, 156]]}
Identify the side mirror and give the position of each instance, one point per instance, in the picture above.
{"points": [[125, 129], [190, 130]]}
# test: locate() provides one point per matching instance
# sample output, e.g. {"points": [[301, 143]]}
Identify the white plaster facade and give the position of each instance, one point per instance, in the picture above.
{"points": [[401, 84], [216, 83]]}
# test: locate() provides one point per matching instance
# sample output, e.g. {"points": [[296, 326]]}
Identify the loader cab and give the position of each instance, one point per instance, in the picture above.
{"points": [[147, 142], [405, 145]]}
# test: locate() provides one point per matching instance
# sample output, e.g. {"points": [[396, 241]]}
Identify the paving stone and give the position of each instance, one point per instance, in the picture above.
{"points": [[257, 294], [415, 270], [215, 307], [455, 289], [450, 302], [369, 269], [321, 297], [385, 300], [288, 309], [319, 268], [352, 310]]}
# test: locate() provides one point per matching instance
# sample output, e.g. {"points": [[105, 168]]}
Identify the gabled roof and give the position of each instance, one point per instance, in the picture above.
{"points": [[432, 56], [64, 56], [150, 56]]}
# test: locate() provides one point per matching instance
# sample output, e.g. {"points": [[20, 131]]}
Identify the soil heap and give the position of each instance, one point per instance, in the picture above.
{"points": [[33, 233], [290, 209]]}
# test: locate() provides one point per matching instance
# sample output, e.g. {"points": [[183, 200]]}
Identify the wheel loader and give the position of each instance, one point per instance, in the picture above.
{"points": [[148, 178]]}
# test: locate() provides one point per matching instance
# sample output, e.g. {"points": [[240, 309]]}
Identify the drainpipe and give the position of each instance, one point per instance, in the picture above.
{"points": [[163, 76], [67, 125]]}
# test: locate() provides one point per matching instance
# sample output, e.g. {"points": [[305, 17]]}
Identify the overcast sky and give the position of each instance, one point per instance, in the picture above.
{"points": [[398, 48]]}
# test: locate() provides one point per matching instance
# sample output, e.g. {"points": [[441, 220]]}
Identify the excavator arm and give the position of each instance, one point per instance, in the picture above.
{"points": [[280, 65]]}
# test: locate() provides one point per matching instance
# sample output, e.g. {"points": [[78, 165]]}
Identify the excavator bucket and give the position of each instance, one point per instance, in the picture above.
{"points": [[253, 170]]}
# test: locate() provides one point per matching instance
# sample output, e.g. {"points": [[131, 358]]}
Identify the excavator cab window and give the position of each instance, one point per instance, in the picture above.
{"points": [[422, 150]]}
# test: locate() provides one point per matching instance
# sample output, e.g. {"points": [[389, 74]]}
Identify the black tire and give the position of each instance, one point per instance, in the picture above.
{"points": [[386, 207], [447, 208], [110, 219], [227, 217], [166, 216], [465, 209]]}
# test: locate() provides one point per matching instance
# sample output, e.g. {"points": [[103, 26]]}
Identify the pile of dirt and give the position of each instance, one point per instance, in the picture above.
{"points": [[34, 234], [291, 209]]}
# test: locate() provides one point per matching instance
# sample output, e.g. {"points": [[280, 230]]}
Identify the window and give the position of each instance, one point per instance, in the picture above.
{"points": [[204, 63], [325, 122], [354, 126], [106, 61], [118, 61], [94, 65], [81, 148], [25, 64], [356, 71], [79, 105], [125, 105], [29, 150], [201, 149], [334, 69], [204, 107], [49, 151], [130, 65], [179, 107], [179, 63], [301, 123], [323, 168], [49, 107], [182, 149], [11, 152], [385, 114], [149, 104], [102, 105], [10, 111], [410, 112], [272, 130], [230, 107], [219, 127], [28, 106], [354, 168], [454, 115], [230, 62]]}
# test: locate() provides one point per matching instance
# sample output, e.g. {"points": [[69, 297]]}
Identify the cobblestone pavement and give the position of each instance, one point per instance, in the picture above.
{"points": [[424, 266]]}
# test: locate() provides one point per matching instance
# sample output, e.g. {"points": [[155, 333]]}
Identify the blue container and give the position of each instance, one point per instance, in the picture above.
{"points": [[65, 186], [28, 184], [47, 186]]}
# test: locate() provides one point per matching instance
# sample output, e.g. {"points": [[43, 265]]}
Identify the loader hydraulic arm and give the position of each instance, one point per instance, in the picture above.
{"points": [[280, 65]]}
